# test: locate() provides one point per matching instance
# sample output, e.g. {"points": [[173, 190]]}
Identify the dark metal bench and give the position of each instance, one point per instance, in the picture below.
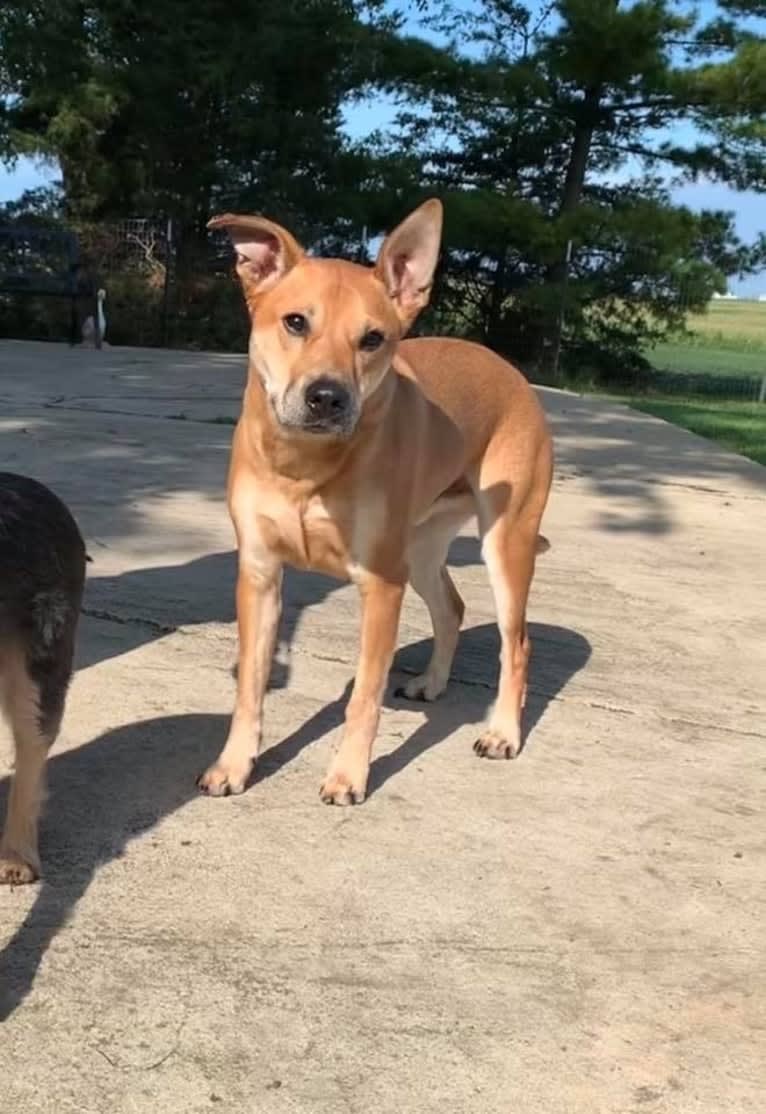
{"points": [[45, 262]]}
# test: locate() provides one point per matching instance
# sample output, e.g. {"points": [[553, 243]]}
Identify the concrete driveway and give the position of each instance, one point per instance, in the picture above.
{"points": [[578, 932]]}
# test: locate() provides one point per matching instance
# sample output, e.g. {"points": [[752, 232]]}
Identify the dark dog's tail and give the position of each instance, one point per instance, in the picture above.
{"points": [[543, 545]]}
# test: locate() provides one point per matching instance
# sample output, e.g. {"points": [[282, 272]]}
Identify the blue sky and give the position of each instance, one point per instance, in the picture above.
{"points": [[749, 207]]}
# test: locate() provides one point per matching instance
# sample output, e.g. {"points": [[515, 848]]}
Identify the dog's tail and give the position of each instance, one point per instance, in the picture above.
{"points": [[543, 545]]}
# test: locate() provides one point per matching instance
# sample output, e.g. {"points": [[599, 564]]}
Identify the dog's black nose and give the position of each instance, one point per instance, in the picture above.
{"points": [[326, 399]]}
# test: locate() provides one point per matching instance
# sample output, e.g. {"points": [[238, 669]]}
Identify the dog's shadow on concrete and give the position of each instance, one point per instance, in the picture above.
{"points": [[100, 797], [120, 785], [557, 654]]}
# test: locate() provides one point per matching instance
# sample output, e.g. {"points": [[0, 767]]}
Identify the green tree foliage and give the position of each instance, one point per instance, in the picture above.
{"points": [[183, 106], [727, 94], [554, 132]]}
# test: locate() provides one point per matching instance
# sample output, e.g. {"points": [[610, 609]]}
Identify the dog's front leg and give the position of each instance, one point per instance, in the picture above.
{"points": [[346, 780], [259, 603]]}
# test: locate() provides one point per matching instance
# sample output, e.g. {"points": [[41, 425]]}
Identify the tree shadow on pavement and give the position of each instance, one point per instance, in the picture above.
{"points": [[101, 796], [631, 463]]}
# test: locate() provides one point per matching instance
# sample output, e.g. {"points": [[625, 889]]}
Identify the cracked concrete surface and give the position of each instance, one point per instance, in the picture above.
{"points": [[578, 931]]}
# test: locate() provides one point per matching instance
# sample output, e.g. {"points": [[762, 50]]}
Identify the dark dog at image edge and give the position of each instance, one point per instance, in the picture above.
{"points": [[42, 574]]}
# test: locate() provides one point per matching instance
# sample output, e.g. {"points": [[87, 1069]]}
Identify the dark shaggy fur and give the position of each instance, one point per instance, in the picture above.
{"points": [[42, 574]]}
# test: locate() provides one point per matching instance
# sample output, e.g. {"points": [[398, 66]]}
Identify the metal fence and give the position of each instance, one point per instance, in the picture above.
{"points": [[166, 288], [707, 385], [161, 290]]}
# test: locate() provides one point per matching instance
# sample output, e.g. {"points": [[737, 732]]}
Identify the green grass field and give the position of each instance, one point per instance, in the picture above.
{"points": [[729, 340], [708, 359], [739, 426]]}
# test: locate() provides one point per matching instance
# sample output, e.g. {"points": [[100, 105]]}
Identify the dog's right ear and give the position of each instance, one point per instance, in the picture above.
{"points": [[265, 251], [408, 258]]}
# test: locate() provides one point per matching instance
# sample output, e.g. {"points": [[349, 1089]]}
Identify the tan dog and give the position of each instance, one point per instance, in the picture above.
{"points": [[361, 455]]}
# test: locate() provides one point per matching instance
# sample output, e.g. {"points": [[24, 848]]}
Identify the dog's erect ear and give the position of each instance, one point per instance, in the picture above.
{"points": [[407, 260], [265, 251]]}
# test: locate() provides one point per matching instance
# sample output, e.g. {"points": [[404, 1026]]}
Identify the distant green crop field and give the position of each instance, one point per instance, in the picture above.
{"points": [[732, 322], [728, 340]]}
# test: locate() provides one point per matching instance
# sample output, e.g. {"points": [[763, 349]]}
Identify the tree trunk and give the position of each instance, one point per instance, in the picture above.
{"points": [[556, 274], [496, 299]]}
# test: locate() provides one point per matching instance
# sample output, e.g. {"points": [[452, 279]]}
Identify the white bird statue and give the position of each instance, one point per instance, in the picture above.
{"points": [[89, 325]]}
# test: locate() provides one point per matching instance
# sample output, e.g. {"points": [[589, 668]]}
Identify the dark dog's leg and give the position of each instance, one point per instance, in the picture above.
{"points": [[35, 681], [34, 711], [42, 574]]}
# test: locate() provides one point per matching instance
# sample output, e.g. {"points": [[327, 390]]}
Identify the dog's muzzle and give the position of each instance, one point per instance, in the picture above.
{"points": [[324, 405], [329, 406]]}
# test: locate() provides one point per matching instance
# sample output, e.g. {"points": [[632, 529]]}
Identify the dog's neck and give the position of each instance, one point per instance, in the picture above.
{"points": [[311, 460]]}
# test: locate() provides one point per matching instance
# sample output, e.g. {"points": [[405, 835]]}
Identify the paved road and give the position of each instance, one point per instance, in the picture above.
{"points": [[578, 932]]}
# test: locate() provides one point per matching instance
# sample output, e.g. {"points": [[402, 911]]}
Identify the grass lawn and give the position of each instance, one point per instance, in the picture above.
{"points": [[739, 426]]}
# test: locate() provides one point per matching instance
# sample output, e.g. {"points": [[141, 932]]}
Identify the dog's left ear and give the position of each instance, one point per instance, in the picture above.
{"points": [[265, 251], [407, 260]]}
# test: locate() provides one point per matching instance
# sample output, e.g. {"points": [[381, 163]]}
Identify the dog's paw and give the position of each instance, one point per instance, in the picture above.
{"points": [[492, 744], [222, 780], [421, 688], [16, 871], [339, 789]]}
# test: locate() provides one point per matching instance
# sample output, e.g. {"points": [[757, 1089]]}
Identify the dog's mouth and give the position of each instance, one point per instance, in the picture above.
{"points": [[327, 428], [318, 428]]}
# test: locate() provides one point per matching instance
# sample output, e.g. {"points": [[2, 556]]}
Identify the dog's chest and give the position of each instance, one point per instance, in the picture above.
{"points": [[330, 535], [324, 546]]}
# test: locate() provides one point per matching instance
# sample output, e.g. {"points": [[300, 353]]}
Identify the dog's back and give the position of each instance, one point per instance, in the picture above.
{"points": [[42, 574]]}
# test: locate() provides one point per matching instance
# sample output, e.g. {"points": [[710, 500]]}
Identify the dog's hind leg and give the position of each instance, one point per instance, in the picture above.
{"points": [[34, 712], [429, 577], [509, 524], [509, 556]]}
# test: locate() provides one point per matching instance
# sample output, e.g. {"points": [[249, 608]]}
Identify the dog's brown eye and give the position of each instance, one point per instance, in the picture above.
{"points": [[296, 324], [371, 340]]}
